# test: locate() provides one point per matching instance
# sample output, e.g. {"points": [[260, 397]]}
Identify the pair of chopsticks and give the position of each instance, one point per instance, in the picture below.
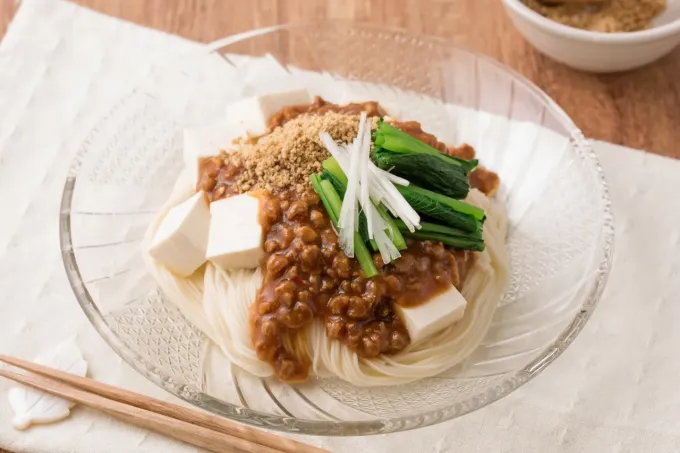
{"points": [[190, 425]]}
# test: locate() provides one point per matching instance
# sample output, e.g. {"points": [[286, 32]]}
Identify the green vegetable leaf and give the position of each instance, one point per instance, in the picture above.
{"points": [[392, 229], [455, 213], [476, 245], [390, 138], [330, 209], [333, 204], [341, 187], [427, 171], [332, 167], [435, 228], [337, 184], [333, 173], [459, 206]]}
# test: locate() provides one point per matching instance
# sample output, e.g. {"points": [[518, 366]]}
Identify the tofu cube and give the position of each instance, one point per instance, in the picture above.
{"points": [[247, 116], [425, 320], [182, 236], [207, 141], [235, 238], [251, 114]]}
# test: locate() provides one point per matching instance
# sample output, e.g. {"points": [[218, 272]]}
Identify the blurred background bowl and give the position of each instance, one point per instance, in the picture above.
{"points": [[595, 51], [560, 240]]}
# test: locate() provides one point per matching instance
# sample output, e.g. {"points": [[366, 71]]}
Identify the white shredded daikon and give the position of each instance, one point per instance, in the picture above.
{"points": [[365, 160], [394, 178], [349, 214], [379, 185], [348, 220], [388, 251], [376, 225], [404, 210], [340, 153], [367, 186]]}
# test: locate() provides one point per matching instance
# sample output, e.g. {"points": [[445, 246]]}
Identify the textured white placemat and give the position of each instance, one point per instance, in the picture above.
{"points": [[61, 69]]}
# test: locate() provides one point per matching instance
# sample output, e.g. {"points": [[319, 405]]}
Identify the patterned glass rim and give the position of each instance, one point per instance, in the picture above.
{"points": [[261, 419]]}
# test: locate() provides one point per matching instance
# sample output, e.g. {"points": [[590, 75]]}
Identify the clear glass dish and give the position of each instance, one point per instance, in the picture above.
{"points": [[560, 240]]}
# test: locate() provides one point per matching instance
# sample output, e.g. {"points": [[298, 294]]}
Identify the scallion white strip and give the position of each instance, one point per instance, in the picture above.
{"points": [[394, 178], [381, 187], [357, 155], [399, 204], [376, 224], [365, 160], [337, 151], [365, 183], [341, 153], [388, 251], [349, 218]]}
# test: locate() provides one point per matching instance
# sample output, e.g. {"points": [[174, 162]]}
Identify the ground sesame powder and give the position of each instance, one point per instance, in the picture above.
{"points": [[285, 158], [611, 16]]}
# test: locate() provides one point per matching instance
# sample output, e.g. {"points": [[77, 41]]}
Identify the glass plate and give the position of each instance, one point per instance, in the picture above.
{"points": [[560, 240]]}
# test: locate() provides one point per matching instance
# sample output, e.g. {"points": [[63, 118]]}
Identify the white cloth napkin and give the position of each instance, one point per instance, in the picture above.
{"points": [[613, 390]]}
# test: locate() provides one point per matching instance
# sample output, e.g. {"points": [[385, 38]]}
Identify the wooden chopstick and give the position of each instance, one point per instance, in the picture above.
{"points": [[190, 425], [169, 426], [190, 415]]}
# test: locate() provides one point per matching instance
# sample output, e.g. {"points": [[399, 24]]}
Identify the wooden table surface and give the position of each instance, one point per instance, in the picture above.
{"points": [[640, 109]]}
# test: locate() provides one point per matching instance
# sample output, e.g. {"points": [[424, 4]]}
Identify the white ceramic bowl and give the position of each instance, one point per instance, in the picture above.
{"points": [[596, 51]]}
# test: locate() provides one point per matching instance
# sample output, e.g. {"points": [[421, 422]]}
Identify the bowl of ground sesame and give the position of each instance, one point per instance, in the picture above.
{"points": [[599, 35]]}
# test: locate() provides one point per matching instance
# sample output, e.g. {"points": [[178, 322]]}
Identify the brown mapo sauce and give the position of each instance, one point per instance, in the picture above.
{"points": [[482, 179], [307, 276]]}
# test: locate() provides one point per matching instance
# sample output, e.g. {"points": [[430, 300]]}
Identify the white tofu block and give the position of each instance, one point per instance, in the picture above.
{"points": [[182, 237], [235, 239], [208, 141], [424, 320], [251, 114]]}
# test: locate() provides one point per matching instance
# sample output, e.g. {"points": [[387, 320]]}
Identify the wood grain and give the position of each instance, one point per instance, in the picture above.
{"points": [[7, 9], [171, 427], [111, 398], [640, 109]]}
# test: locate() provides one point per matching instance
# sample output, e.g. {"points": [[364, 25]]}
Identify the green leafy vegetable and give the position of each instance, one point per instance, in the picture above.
{"points": [[455, 213], [333, 173], [333, 204], [449, 236], [340, 186], [462, 243], [435, 228], [363, 231], [437, 182], [332, 168], [426, 170], [316, 185], [392, 139], [393, 231]]}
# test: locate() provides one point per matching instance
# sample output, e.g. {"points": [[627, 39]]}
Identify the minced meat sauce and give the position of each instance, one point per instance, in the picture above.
{"points": [[481, 179], [306, 275]]}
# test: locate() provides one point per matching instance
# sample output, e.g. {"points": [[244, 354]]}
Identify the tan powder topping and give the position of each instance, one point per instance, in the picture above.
{"points": [[612, 16], [287, 157]]}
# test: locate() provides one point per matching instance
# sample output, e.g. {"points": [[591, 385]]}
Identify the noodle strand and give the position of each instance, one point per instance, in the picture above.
{"points": [[217, 302]]}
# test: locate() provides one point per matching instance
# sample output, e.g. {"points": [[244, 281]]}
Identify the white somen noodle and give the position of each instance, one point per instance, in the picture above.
{"points": [[218, 303]]}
